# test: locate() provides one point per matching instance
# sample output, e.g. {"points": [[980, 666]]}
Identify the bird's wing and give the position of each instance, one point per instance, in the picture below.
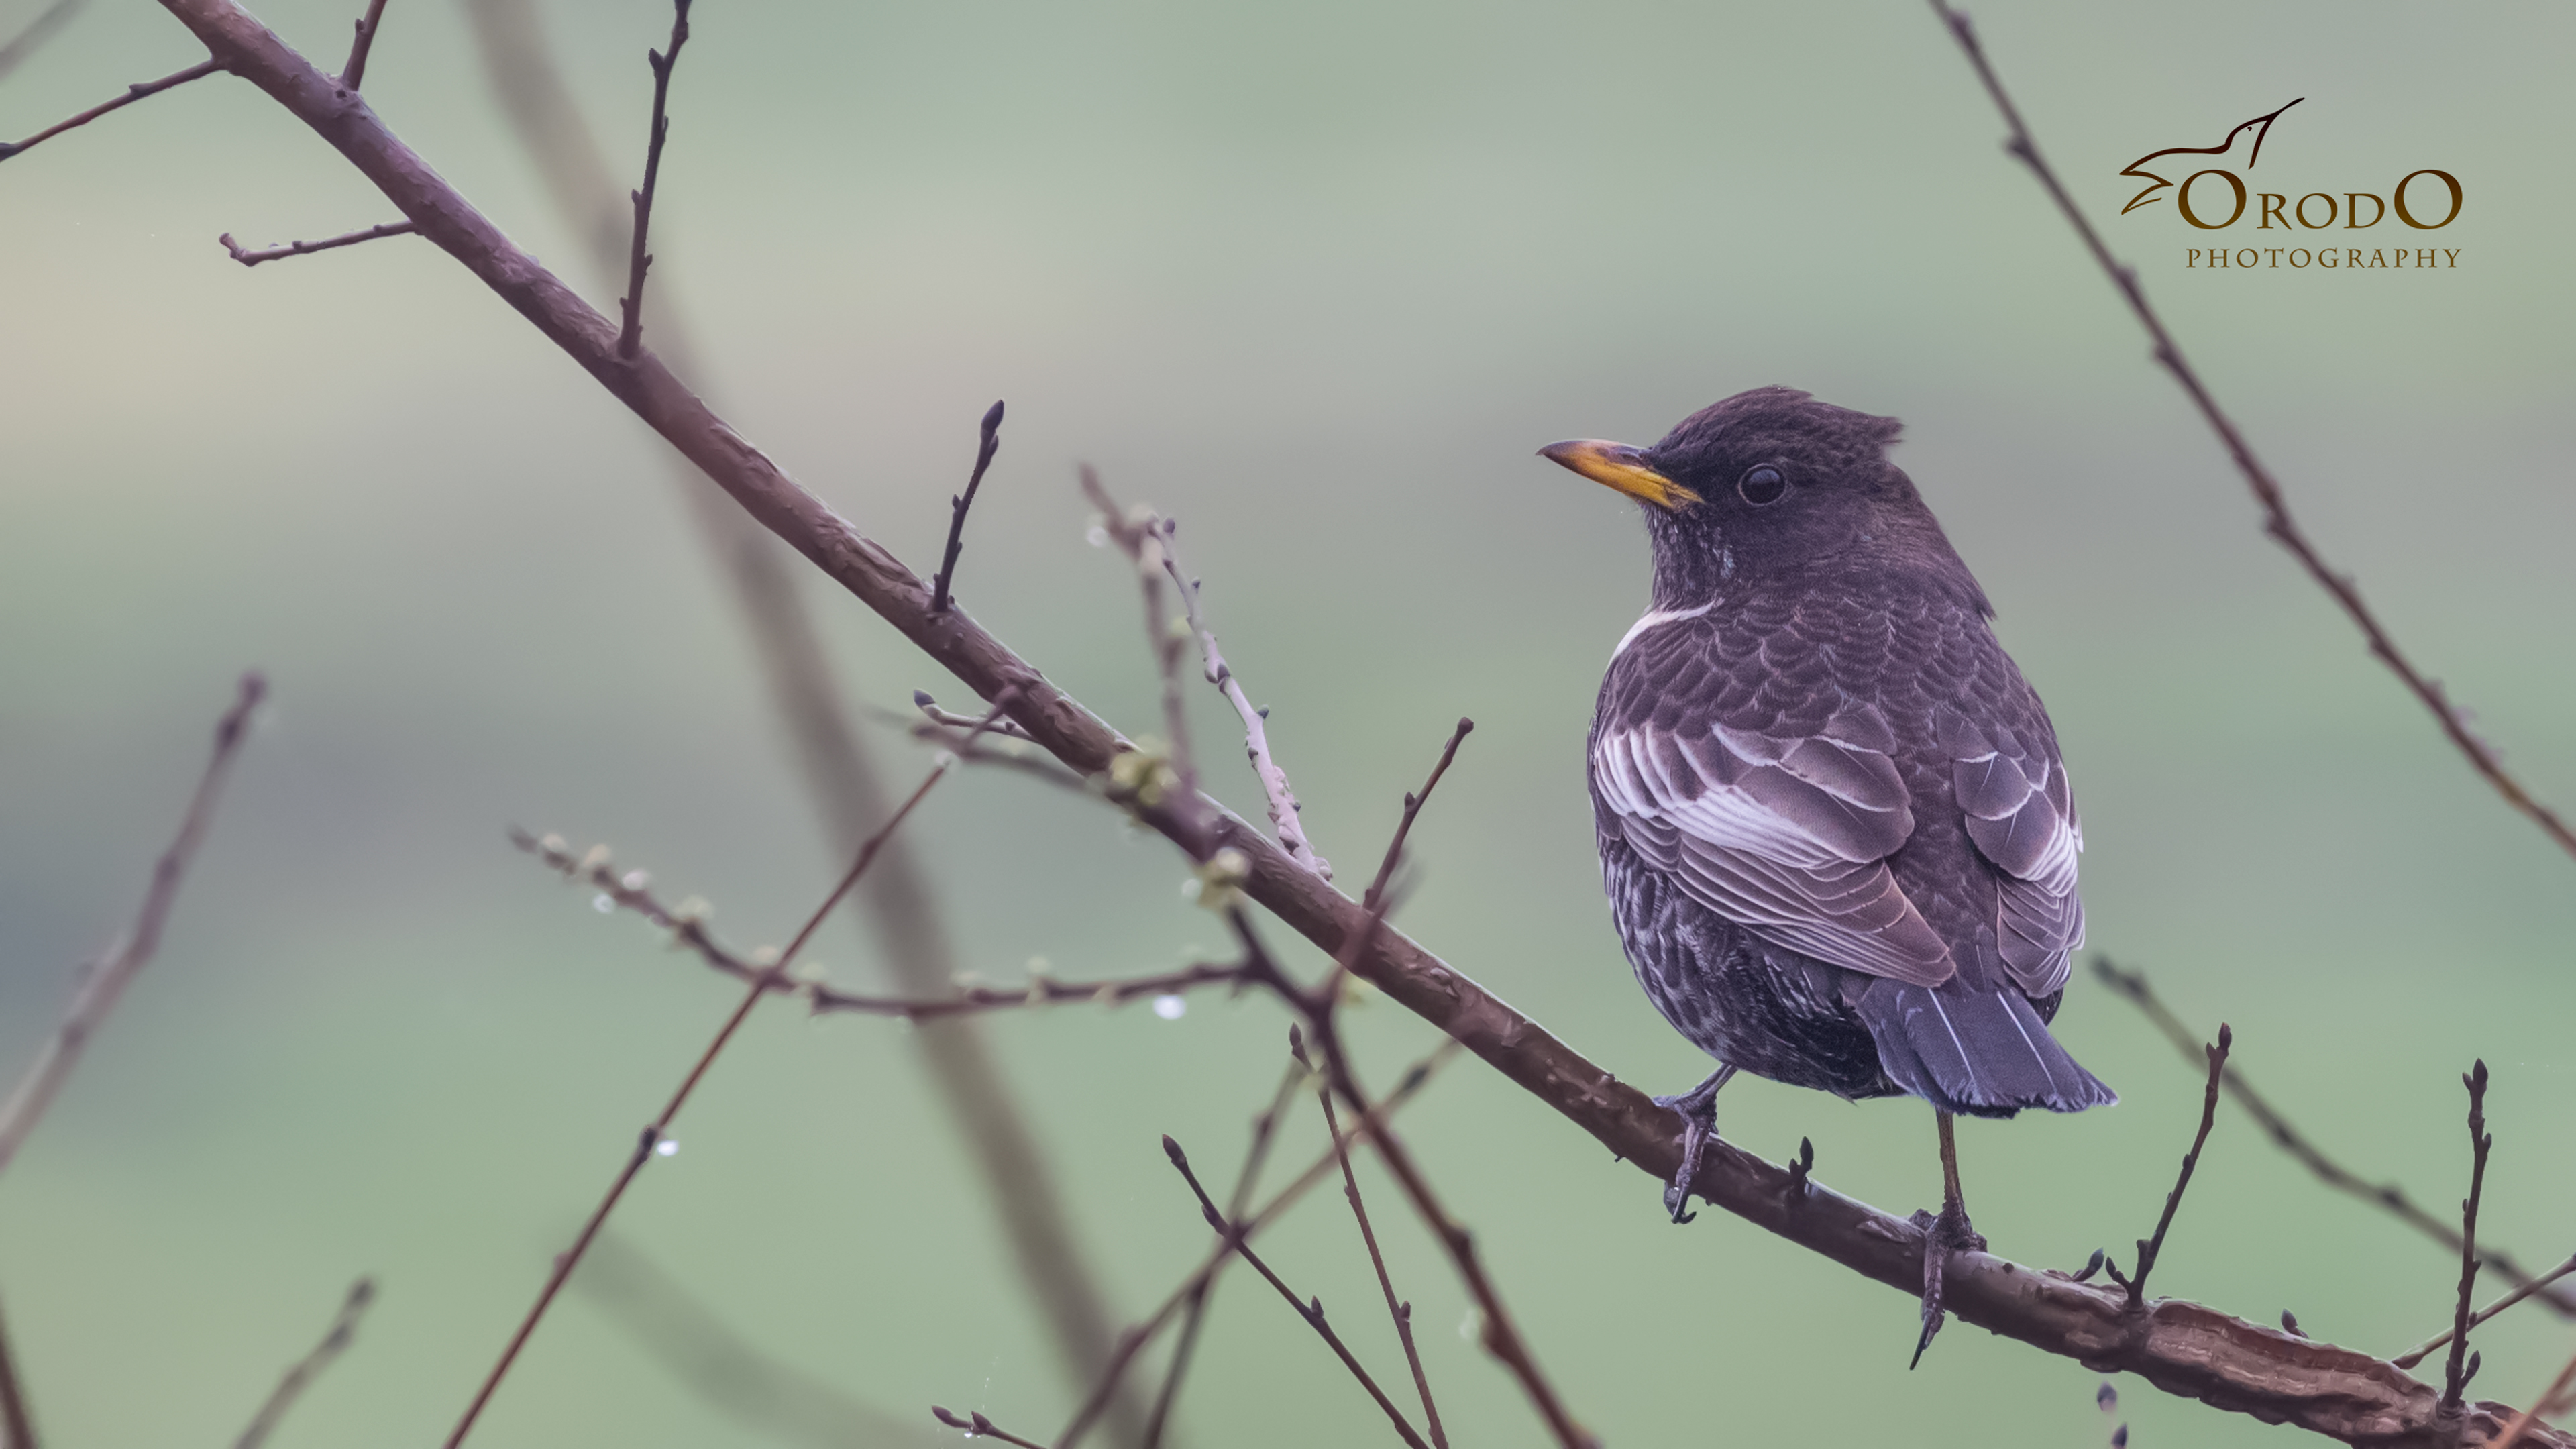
{"points": [[2020, 814], [1766, 793]]}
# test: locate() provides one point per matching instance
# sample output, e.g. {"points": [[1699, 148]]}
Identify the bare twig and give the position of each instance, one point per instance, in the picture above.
{"points": [[249, 258], [1286, 815], [686, 922], [17, 1424], [2553, 1400], [365, 40], [1264, 1132], [104, 979], [133, 93], [653, 1136], [630, 337], [1134, 1340], [2421, 1351], [1139, 534], [23, 44], [2183, 1348], [2277, 521], [951, 719], [2463, 1365], [987, 444], [1402, 1313], [2148, 1248], [979, 1427], [344, 1326], [1310, 1310], [733, 1375], [897, 903], [2133, 985]]}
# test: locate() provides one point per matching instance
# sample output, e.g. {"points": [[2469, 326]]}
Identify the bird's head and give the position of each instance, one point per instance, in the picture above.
{"points": [[1770, 486]]}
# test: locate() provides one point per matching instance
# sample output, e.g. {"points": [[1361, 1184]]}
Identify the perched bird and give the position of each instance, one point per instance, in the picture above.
{"points": [[1836, 836]]}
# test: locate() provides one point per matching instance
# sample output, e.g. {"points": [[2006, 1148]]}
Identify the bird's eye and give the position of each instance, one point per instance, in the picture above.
{"points": [[1760, 486]]}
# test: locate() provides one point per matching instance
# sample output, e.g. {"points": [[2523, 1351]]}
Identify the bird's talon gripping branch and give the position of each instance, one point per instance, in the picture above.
{"points": [[1698, 1109]]}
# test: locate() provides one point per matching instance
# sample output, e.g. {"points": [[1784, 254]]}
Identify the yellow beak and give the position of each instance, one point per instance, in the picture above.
{"points": [[1616, 465]]}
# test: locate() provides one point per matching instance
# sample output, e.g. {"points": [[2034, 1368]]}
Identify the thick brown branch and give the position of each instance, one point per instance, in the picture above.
{"points": [[365, 40], [631, 336], [344, 1327], [132, 94], [2133, 985], [2182, 1348], [104, 980], [2278, 524], [249, 258]]}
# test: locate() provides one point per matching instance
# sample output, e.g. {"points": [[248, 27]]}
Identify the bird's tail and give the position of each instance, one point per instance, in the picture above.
{"points": [[1984, 1053]]}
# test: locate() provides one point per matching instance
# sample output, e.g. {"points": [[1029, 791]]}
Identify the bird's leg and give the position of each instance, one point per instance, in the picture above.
{"points": [[1698, 1107], [1943, 1235]]}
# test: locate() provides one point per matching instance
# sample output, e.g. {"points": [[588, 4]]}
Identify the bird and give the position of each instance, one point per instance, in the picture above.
{"points": [[2261, 126], [1835, 831]]}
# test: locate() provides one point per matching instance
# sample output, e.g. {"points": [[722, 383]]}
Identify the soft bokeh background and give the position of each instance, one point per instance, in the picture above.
{"points": [[1317, 279]]}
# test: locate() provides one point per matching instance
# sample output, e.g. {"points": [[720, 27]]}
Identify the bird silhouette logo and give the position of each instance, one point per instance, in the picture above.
{"points": [[2260, 126]]}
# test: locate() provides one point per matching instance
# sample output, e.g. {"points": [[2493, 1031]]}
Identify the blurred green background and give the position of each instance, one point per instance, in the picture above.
{"points": [[1317, 279]]}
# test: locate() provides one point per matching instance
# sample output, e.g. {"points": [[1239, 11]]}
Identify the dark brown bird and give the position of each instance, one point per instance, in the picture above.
{"points": [[1836, 836]]}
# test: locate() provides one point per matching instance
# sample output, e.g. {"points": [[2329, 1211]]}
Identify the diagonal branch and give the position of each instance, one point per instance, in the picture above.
{"points": [[655, 1136], [2149, 1248], [344, 1327], [39, 30], [2133, 985], [365, 40], [133, 93], [17, 1424], [1313, 1312], [1402, 1313], [104, 980], [2278, 524], [2182, 1348], [2421, 1351], [989, 441], [250, 258]]}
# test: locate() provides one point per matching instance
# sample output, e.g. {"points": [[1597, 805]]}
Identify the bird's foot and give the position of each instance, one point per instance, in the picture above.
{"points": [[1698, 1108], [1943, 1234]]}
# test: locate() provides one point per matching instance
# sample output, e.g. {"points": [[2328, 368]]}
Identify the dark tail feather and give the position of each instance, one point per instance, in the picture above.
{"points": [[1984, 1053]]}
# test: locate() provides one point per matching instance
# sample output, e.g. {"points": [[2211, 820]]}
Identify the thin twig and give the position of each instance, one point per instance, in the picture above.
{"points": [[951, 719], [1264, 1132], [630, 336], [686, 922], [1374, 899], [1402, 1313], [979, 1427], [989, 442], [2277, 522], [1286, 815], [2552, 1400], [104, 979], [653, 1136], [23, 44], [133, 93], [2133, 985], [365, 40], [1139, 535], [2463, 1365], [2421, 1351], [344, 1326], [2148, 1248], [1134, 1340], [897, 905], [249, 258], [1311, 1310], [17, 1424]]}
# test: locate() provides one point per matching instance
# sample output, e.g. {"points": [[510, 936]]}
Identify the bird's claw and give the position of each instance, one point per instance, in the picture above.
{"points": [[1698, 1109], [1948, 1232]]}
